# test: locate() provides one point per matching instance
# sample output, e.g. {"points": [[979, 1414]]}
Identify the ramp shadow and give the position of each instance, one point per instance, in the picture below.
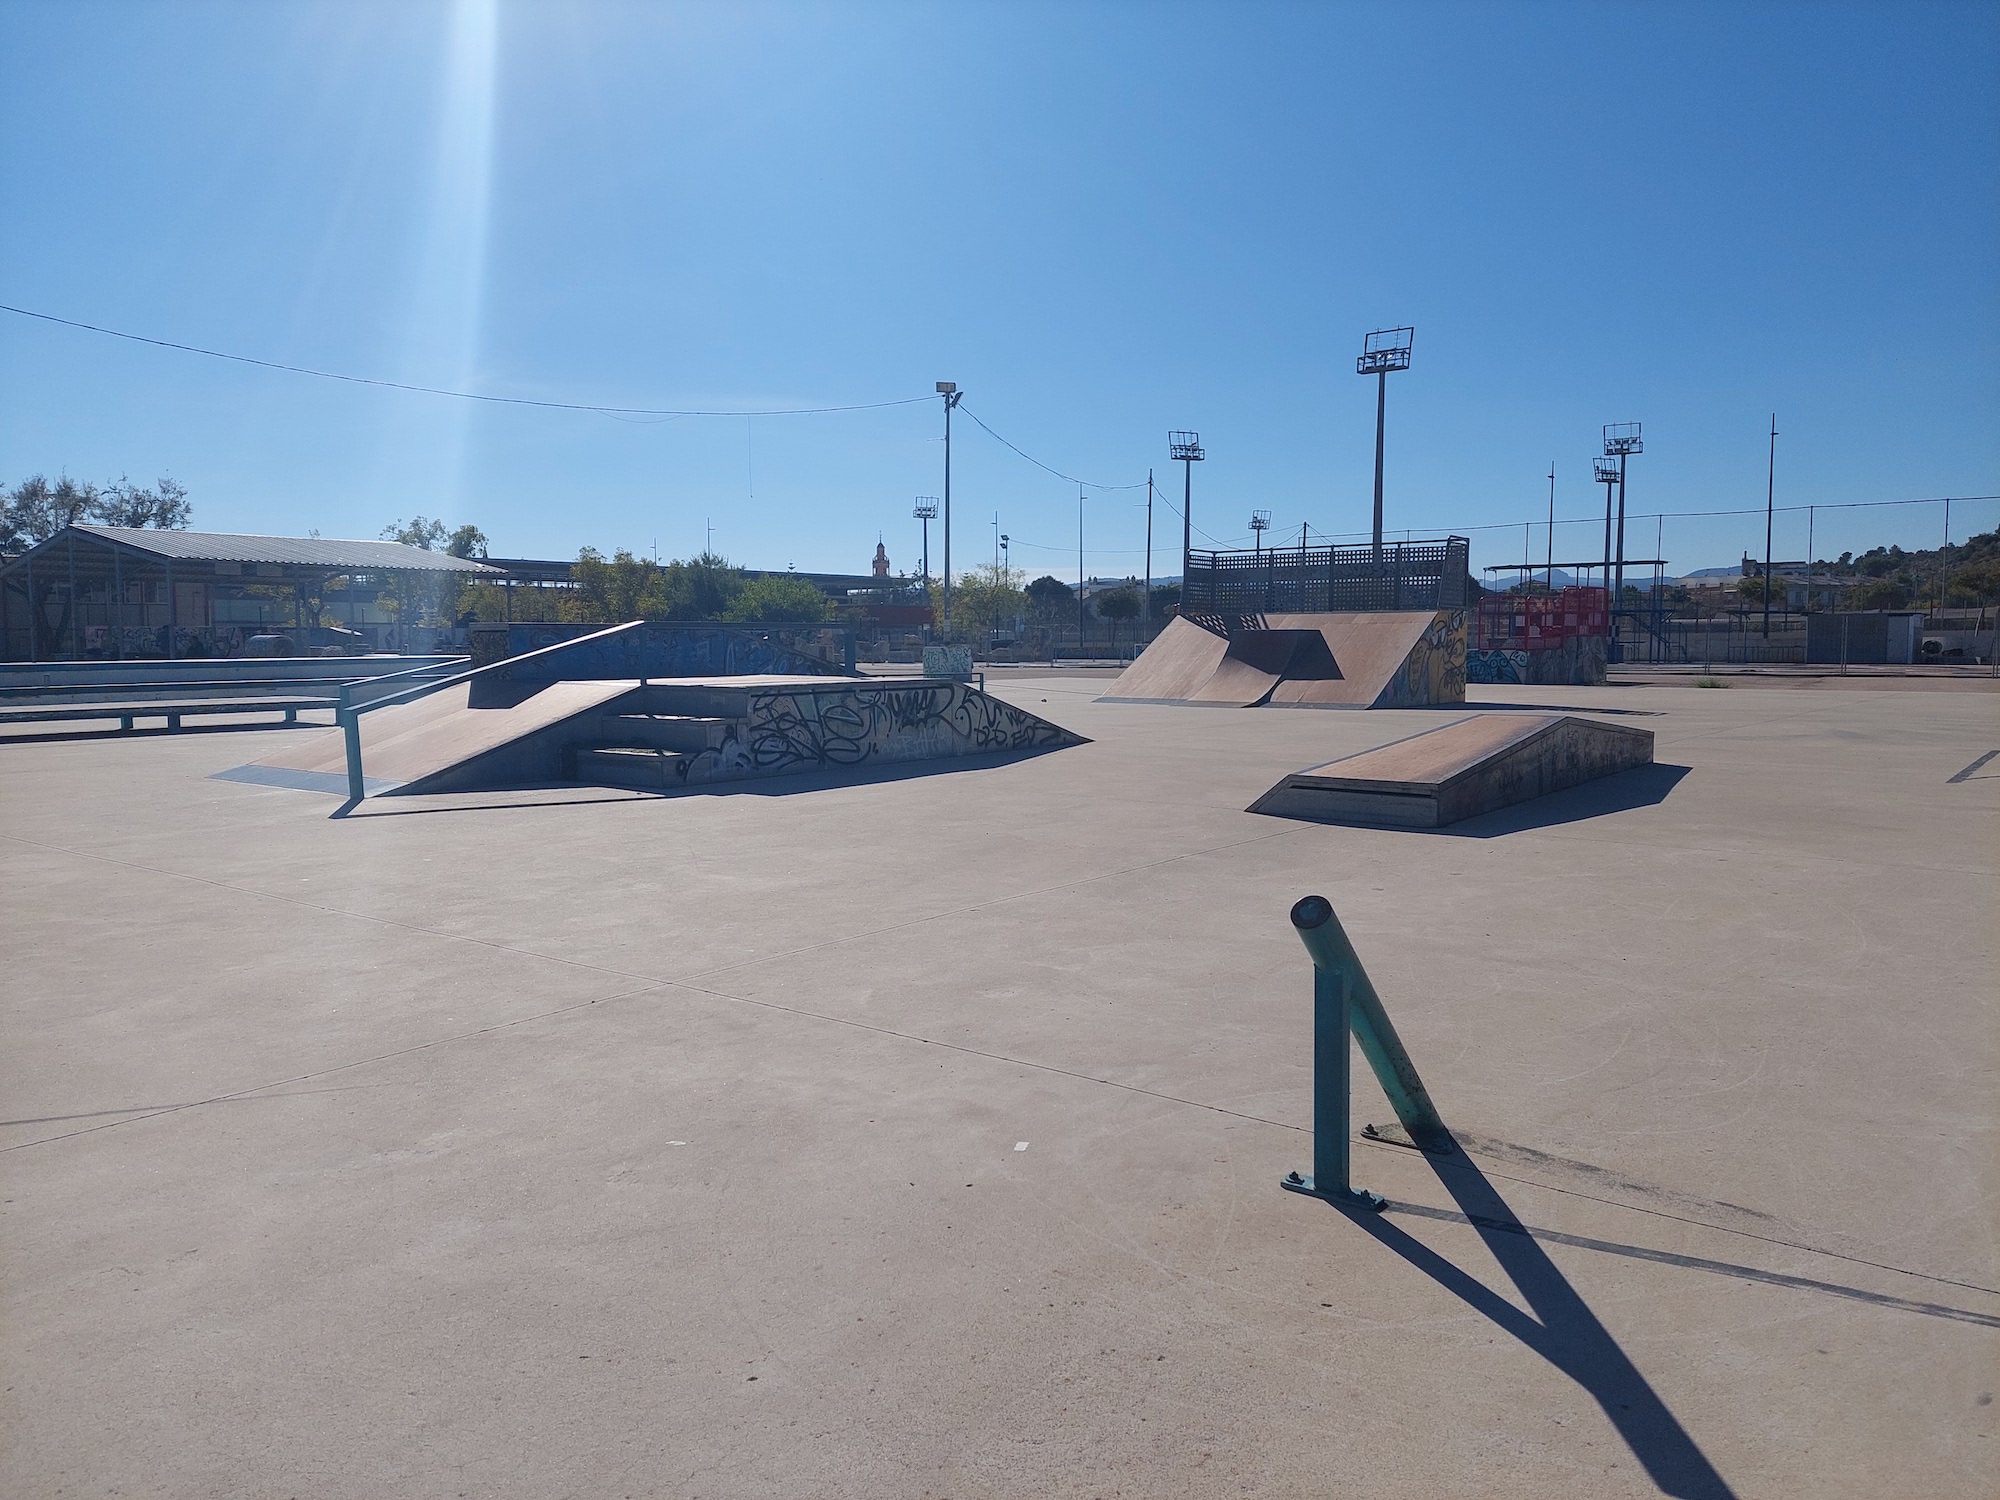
{"points": [[1563, 1330], [1642, 786], [791, 784]]}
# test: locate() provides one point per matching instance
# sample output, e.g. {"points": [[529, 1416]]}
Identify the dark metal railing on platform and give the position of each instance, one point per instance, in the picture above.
{"points": [[1308, 580]]}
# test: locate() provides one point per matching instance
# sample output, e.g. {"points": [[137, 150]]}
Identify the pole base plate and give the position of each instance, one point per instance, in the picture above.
{"points": [[1292, 1182]]}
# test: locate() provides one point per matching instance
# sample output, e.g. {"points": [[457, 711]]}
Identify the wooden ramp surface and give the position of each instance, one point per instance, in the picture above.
{"points": [[1290, 660], [1471, 766], [413, 741], [1368, 650], [1175, 668]]}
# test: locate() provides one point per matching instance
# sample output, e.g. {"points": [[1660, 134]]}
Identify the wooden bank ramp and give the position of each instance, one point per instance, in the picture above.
{"points": [[1459, 770], [417, 746], [1382, 659]]}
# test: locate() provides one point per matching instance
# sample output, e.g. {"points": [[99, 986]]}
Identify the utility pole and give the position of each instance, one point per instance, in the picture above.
{"points": [[1942, 565], [1146, 599], [1383, 350], [1079, 571], [1186, 446], [1770, 497], [948, 389]]}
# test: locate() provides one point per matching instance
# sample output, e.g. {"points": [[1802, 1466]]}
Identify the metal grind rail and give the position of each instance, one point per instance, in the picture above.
{"points": [[1344, 1003]]}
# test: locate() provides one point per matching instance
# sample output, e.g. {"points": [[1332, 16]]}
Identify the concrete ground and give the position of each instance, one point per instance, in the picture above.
{"points": [[921, 1137]]}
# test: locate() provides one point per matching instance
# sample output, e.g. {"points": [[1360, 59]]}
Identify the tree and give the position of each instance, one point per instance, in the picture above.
{"points": [[624, 587], [164, 507], [705, 585], [1978, 584], [429, 535], [775, 599], [35, 510], [987, 598], [1882, 593], [1166, 600], [1051, 598], [1119, 604], [468, 541]]}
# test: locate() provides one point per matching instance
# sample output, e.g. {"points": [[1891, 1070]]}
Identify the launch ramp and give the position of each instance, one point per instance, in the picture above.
{"points": [[1460, 770], [1374, 659]]}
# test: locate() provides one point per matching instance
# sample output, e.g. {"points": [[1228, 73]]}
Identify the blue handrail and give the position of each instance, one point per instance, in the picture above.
{"points": [[348, 713]]}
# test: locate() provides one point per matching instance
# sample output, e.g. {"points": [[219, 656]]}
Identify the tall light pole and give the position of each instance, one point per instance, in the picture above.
{"points": [[1383, 350], [925, 510], [1770, 495], [948, 389], [1607, 475], [1620, 440], [1186, 446], [1260, 522]]}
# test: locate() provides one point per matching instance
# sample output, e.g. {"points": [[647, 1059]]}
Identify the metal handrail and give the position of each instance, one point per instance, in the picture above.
{"points": [[348, 713]]}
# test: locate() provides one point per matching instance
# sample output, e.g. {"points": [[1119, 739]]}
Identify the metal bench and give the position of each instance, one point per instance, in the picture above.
{"points": [[173, 713]]}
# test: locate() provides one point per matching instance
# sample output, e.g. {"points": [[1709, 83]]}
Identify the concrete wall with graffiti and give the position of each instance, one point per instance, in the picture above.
{"points": [[1577, 662], [804, 729], [1434, 671]]}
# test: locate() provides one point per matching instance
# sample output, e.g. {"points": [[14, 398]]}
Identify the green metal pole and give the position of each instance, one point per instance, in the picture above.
{"points": [[1325, 940], [350, 723], [1330, 1095], [1331, 1085]]}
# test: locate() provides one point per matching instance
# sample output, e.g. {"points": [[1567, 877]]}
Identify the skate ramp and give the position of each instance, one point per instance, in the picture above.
{"points": [[1387, 659], [1471, 766], [488, 735], [418, 746], [1175, 667]]}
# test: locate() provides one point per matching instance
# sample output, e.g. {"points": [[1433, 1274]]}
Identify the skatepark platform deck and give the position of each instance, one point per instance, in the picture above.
{"points": [[1459, 770], [489, 1145]]}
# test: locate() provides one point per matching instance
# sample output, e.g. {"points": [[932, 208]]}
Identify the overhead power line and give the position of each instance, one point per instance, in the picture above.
{"points": [[431, 390], [1072, 479]]}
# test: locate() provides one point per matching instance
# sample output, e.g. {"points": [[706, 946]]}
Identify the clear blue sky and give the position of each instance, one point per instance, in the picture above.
{"points": [[1103, 221]]}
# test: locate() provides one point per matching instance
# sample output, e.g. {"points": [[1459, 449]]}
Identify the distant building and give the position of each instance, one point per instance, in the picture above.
{"points": [[881, 564], [115, 592]]}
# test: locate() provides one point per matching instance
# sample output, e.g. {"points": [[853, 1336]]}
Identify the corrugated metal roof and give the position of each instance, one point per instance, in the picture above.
{"points": [[304, 551]]}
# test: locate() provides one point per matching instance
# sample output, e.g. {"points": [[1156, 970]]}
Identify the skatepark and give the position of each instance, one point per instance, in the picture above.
{"points": [[917, 1128]]}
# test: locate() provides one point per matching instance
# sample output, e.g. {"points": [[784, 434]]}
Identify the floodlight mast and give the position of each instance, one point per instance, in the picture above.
{"points": [[1607, 475], [926, 510], [948, 389], [1260, 522], [1186, 446], [1620, 440], [1383, 350]]}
